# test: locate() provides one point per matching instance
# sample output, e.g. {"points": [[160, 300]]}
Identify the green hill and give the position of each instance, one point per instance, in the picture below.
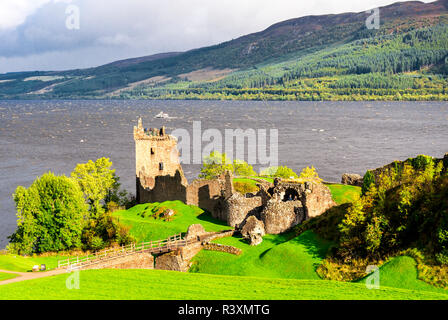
{"points": [[328, 57], [168, 285], [278, 256], [147, 226]]}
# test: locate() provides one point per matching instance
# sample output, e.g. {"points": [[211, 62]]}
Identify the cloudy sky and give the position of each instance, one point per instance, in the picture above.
{"points": [[43, 34]]}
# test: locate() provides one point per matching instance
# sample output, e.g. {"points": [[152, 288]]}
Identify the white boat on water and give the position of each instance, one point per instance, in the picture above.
{"points": [[162, 115]]}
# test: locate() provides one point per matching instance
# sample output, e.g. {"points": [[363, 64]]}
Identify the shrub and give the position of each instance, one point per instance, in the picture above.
{"points": [[368, 180], [402, 208], [422, 162], [242, 168], [310, 175], [108, 229], [96, 243], [279, 172], [215, 165], [244, 187]]}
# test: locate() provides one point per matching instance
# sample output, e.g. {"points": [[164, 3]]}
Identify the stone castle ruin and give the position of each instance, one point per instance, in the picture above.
{"points": [[274, 209]]}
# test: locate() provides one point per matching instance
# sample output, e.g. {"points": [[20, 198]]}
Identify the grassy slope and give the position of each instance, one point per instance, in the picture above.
{"points": [[279, 268], [155, 284], [148, 228], [297, 258], [401, 272]]}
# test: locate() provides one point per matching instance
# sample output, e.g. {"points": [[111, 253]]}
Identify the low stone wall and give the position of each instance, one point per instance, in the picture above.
{"points": [[133, 261], [214, 236], [222, 248]]}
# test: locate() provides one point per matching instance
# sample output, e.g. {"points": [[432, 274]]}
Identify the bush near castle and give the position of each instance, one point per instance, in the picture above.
{"points": [[403, 211], [58, 213]]}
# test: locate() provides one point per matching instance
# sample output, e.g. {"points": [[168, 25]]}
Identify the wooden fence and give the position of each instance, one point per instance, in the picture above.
{"points": [[159, 246]]}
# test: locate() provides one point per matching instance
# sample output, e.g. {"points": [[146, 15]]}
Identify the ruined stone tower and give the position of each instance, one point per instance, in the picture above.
{"points": [[158, 171]]}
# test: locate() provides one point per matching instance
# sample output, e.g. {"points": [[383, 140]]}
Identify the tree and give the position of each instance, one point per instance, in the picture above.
{"points": [[279, 172], [310, 175], [50, 215], [96, 180], [215, 165], [368, 180], [242, 168], [285, 172]]}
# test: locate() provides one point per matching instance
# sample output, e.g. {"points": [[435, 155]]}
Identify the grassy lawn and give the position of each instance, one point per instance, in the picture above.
{"points": [[275, 257], [246, 180], [401, 272], [148, 228], [343, 193], [6, 276], [279, 268], [156, 284], [18, 263], [251, 181]]}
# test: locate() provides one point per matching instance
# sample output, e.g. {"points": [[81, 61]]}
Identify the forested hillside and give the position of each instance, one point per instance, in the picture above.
{"points": [[331, 57]]}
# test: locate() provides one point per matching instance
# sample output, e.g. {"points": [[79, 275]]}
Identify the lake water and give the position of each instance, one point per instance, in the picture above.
{"points": [[335, 137]]}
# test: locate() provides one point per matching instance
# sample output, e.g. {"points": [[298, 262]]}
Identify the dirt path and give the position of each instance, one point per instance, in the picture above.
{"points": [[23, 276]]}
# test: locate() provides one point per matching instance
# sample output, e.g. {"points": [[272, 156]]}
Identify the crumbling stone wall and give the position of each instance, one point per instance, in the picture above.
{"points": [[237, 208], [172, 261], [317, 199], [166, 188], [253, 231], [205, 193], [222, 248], [279, 216]]}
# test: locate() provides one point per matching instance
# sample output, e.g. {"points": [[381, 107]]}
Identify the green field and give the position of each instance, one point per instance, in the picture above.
{"points": [[6, 276], [148, 228], [281, 267], [168, 285], [18, 263], [343, 193]]}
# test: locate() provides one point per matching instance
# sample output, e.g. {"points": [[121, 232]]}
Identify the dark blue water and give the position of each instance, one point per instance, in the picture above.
{"points": [[335, 137]]}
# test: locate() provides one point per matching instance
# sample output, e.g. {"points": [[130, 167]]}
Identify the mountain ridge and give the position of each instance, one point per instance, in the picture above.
{"points": [[283, 42]]}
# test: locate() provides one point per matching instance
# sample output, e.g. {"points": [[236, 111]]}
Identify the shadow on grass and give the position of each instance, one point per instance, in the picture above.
{"points": [[316, 247], [206, 216]]}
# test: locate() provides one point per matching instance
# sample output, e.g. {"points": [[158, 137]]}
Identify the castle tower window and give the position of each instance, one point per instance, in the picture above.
{"points": [[161, 166], [152, 151]]}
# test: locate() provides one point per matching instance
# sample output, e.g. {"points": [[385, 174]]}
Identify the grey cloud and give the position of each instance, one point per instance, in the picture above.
{"points": [[117, 29]]}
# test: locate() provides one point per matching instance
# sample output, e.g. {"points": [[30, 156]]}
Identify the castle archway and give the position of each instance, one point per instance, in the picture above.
{"points": [[291, 195]]}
